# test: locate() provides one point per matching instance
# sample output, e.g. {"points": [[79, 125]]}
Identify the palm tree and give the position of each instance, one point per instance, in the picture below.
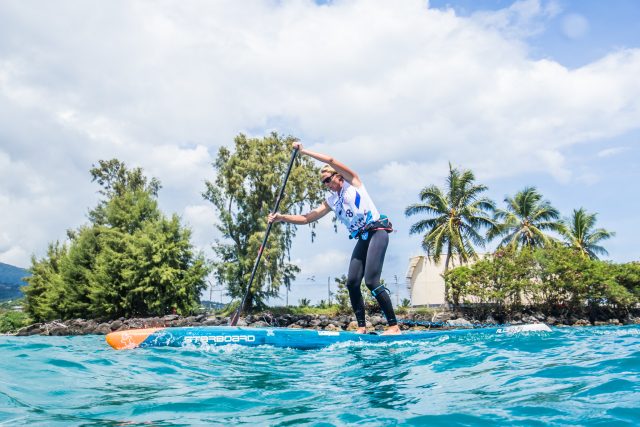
{"points": [[455, 216], [524, 222], [579, 234]]}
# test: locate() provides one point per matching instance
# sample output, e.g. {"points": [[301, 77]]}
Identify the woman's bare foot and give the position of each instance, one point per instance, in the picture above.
{"points": [[392, 330], [361, 330]]}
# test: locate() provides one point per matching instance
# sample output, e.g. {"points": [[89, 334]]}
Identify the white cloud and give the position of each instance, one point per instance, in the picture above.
{"points": [[329, 260], [588, 178], [5, 241], [15, 255], [613, 151], [554, 163], [575, 26], [201, 220], [522, 19], [396, 90]]}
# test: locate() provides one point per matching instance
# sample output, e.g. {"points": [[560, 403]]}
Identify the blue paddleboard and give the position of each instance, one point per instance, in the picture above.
{"points": [[282, 337]]}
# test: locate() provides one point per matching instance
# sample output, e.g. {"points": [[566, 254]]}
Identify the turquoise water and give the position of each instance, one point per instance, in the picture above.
{"points": [[571, 376]]}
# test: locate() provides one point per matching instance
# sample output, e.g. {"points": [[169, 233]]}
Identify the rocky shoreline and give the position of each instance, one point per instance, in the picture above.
{"points": [[444, 319]]}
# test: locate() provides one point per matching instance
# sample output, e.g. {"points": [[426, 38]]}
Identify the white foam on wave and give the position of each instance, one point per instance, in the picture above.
{"points": [[517, 329]]}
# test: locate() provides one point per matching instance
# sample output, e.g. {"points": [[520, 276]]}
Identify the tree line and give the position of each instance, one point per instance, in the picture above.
{"points": [[132, 260], [459, 213], [541, 260]]}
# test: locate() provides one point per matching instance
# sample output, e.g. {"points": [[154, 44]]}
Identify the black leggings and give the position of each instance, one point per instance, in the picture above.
{"points": [[366, 262]]}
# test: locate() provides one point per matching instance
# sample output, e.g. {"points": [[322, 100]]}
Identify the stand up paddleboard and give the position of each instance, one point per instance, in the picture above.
{"points": [[282, 337]]}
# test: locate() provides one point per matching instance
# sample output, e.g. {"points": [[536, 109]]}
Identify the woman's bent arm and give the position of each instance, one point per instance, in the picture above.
{"points": [[345, 171]]}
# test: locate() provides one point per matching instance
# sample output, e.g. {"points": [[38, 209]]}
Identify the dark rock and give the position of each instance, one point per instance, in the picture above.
{"points": [[341, 322], [315, 323], [442, 316], [541, 317], [212, 322], [490, 320], [88, 327], [582, 322], [180, 322], [460, 322], [260, 324], [377, 321], [34, 329], [630, 320], [56, 329], [135, 323], [102, 329], [552, 320], [116, 324], [154, 322]]}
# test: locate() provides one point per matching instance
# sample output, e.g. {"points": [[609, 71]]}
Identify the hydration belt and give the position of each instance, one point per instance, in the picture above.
{"points": [[383, 223]]}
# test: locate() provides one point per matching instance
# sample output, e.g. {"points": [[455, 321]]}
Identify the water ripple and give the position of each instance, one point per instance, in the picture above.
{"points": [[572, 376]]}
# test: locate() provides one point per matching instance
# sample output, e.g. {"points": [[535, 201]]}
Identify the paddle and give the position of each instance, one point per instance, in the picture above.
{"points": [[236, 315]]}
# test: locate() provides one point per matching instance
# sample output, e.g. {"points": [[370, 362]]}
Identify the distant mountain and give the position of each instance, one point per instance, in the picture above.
{"points": [[11, 281]]}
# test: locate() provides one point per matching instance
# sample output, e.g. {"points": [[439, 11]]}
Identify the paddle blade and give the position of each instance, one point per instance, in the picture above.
{"points": [[234, 318]]}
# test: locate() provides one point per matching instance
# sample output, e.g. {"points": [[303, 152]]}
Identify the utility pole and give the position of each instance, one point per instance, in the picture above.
{"points": [[209, 308], [397, 291], [329, 289]]}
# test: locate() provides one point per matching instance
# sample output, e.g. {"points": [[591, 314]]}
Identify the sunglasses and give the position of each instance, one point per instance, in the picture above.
{"points": [[327, 179]]}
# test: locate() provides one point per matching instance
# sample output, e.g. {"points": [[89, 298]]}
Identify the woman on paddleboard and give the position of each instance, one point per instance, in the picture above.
{"points": [[355, 209]]}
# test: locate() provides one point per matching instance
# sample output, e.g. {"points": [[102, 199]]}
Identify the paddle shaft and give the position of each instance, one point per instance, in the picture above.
{"points": [[236, 315]]}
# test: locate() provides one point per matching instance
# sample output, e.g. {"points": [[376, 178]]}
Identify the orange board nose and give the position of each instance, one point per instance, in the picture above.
{"points": [[131, 338]]}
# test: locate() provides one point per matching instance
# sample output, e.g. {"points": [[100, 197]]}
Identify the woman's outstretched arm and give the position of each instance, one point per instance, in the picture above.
{"points": [[314, 215]]}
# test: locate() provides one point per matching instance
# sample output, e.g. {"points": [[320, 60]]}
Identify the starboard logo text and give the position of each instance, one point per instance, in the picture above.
{"points": [[220, 339]]}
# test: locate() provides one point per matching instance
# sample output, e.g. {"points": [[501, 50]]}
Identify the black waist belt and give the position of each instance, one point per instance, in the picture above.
{"points": [[382, 224]]}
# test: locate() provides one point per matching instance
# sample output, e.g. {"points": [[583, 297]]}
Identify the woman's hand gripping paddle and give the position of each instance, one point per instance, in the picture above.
{"points": [[236, 315]]}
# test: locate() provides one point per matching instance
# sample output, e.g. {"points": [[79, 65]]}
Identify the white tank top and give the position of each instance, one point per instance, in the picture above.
{"points": [[353, 207]]}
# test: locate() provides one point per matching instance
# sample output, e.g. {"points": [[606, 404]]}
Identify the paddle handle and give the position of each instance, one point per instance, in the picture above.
{"points": [[236, 315]]}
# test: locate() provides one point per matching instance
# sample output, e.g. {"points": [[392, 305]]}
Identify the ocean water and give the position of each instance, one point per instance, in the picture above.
{"points": [[571, 376]]}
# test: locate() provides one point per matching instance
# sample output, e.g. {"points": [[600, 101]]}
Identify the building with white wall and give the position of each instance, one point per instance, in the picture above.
{"points": [[425, 281]]}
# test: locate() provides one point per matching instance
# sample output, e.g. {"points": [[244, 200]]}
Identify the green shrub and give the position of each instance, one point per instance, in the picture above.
{"points": [[11, 321], [554, 279]]}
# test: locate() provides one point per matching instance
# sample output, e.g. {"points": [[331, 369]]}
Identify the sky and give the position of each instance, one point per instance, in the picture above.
{"points": [[540, 93]]}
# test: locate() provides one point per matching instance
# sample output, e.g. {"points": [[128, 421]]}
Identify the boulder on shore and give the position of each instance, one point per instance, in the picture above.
{"points": [[411, 321]]}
